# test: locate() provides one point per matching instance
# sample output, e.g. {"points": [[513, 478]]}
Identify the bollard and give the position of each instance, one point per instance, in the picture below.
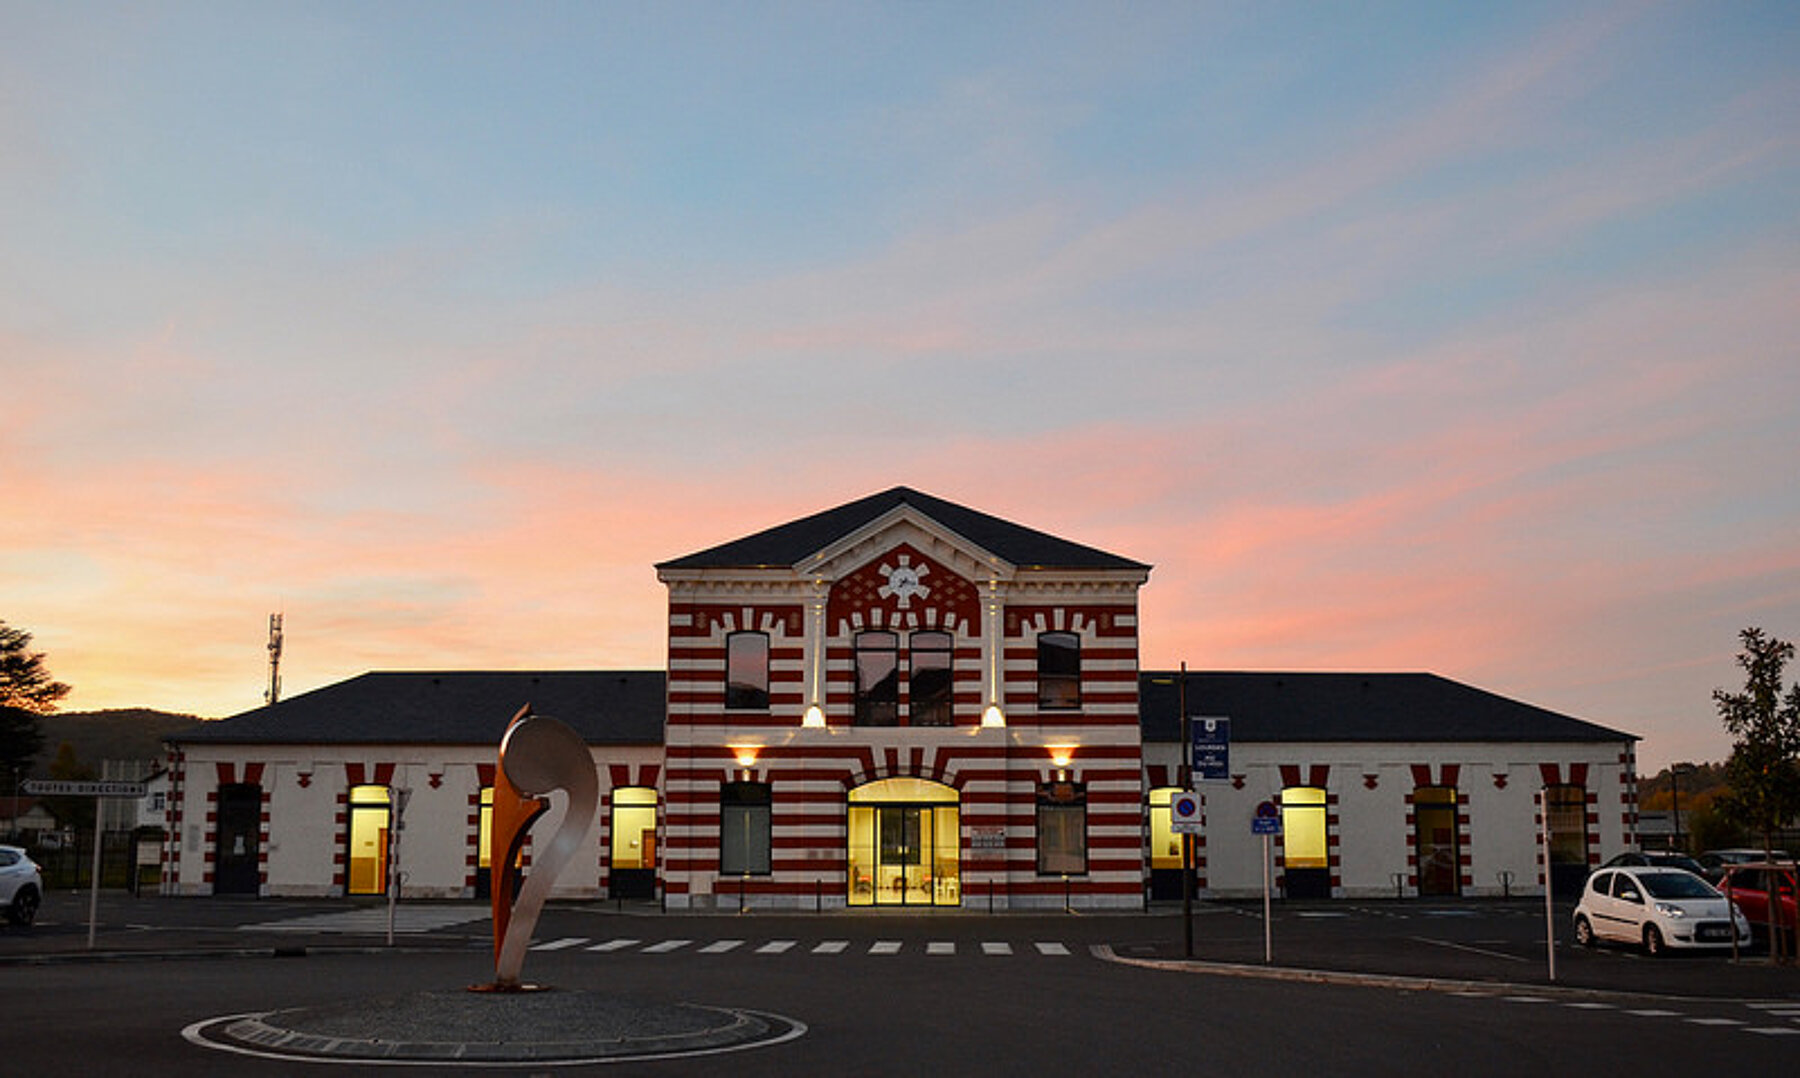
{"points": [[1506, 878], [1399, 879]]}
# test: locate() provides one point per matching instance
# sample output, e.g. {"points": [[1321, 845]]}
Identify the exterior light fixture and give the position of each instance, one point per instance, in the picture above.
{"points": [[814, 717], [993, 716], [1060, 755]]}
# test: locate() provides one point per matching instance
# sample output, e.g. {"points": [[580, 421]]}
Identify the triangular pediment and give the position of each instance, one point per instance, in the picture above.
{"points": [[905, 525], [971, 540]]}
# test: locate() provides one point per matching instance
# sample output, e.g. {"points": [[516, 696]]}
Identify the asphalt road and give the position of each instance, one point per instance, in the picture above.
{"points": [[1354, 988]]}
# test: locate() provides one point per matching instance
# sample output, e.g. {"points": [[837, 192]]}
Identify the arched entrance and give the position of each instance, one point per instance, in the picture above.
{"points": [[905, 842]]}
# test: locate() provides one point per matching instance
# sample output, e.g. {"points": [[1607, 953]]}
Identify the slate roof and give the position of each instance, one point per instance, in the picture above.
{"points": [[613, 707], [791, 543], [606, 707], [1322, 707]]}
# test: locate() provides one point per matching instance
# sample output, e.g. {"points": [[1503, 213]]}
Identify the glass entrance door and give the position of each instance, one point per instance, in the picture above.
{"points": [[904, 853]]}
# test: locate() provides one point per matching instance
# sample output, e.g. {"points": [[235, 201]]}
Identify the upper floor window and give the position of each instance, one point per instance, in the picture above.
{"points": [[747, 671], [1059, 670], [929, 696], [877, 679]]}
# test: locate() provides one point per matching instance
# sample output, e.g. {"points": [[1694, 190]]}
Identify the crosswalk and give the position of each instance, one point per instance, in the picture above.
{"points": [[1758, 1018], [930, 948]]}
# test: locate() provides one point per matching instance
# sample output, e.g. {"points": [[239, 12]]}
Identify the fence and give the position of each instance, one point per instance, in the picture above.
{"points": [[68, 863]]}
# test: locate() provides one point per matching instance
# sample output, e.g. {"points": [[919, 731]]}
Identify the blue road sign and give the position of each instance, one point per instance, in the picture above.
{"points": [[1211, 750]]}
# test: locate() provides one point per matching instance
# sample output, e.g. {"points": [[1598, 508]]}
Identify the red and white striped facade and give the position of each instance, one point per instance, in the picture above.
{"points": [[997, 754]]}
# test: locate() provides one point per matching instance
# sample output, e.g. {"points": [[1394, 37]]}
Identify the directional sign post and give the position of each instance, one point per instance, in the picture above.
{"points": [[1210, 749], [95, 790], [1266, 822]]}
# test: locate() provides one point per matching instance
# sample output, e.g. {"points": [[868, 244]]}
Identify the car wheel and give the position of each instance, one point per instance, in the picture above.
{"points": [[1653, 942], [24, 906], [1584, 932]]}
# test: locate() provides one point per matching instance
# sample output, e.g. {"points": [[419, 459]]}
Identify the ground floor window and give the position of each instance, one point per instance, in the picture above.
{"points": [[1435, 840], [745, 824], [1565, 809], [1062, 829], [367, 855], [1305, 845], [1165, 844], [905, 840]]}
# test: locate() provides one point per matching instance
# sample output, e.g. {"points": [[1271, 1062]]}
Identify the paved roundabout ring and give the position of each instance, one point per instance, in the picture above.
{"points": [[459, 1028]]}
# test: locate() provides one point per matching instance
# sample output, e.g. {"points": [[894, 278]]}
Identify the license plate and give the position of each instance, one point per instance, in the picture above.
{"points": [[1713, 932]]}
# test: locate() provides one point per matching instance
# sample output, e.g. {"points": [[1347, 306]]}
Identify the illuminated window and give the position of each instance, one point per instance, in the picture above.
{"points": [[633, 827], [1059, 671], [747, 671], [744, 828], [368, 840], [929, 692], [877, 679], [1165, 844], [1303, 828], [1062, 828], [484, 831]]}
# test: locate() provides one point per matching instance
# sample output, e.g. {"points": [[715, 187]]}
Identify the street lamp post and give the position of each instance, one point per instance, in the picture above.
{"points": [[1187, 837], [1675, 773]]}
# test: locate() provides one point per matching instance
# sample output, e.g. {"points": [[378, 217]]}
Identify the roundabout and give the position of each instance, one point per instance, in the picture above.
{"points": [[559, 1027]]}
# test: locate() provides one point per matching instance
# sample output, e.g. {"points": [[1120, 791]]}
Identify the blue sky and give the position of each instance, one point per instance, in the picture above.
{"points": [[1406, 336]]}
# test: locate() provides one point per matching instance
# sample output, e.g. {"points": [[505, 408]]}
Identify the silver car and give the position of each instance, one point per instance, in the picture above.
{"points": [[21, 886], [1658, 908]]}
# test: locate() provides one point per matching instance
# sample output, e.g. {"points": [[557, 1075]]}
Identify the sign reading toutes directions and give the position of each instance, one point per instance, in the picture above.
{"points": [[65, 788], [1184, 813], [59, 788]]}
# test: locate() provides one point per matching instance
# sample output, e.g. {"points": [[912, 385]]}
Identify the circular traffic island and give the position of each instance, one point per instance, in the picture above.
{"points": [[476, 1028]]}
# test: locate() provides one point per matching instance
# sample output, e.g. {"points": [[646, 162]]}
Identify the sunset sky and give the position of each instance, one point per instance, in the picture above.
{"points": [[1460, 338]]}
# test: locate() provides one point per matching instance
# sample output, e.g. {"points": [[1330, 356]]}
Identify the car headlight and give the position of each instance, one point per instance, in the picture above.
{"points": [[1674, 913]]}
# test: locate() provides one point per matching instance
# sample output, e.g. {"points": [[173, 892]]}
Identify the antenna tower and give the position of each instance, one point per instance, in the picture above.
{"points": [[274, 693]]}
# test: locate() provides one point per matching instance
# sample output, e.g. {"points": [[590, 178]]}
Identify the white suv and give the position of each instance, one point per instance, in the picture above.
{"points": [[21, 886]]}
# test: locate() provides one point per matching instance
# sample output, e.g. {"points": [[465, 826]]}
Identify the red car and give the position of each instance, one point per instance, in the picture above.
{"points": [[1749, 886]]}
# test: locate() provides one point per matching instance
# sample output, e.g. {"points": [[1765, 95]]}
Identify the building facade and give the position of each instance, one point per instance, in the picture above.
{"points": [[903, 702]]}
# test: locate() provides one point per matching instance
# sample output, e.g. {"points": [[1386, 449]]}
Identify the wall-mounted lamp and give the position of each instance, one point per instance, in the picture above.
{"points": [[1060, 755], [993, 717], [814, 717], [745, 754]]}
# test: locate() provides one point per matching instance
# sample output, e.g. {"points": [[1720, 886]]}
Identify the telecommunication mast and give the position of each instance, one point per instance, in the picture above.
{"points": [[274, 693]]}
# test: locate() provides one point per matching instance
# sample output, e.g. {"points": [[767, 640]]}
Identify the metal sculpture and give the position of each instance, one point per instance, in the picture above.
{"points": [[537, 756]]}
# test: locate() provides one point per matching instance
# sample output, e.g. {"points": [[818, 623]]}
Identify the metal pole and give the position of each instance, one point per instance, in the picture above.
{"points": [[94, 888], [1549, 889], [1268, 931], [1187, 838]]}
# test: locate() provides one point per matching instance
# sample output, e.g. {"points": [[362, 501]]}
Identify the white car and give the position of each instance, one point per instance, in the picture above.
{"points": [[1658, 908], [21, 886]]}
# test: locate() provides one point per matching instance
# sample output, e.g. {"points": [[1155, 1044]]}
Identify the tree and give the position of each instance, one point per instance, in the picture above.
{"points": [[76, 813], [26, 691], [1764, 722]]}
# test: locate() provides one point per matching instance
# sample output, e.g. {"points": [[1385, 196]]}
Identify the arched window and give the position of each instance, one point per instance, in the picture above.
{"points": [[877, 679], [929, 696], [1059, 671], [747, 671]]}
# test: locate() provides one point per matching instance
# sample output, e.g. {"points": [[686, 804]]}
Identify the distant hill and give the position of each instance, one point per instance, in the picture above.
{"points": [[134, 733]]}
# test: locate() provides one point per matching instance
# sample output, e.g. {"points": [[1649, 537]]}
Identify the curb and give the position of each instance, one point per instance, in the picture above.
{"points": [[1400, 982]]}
